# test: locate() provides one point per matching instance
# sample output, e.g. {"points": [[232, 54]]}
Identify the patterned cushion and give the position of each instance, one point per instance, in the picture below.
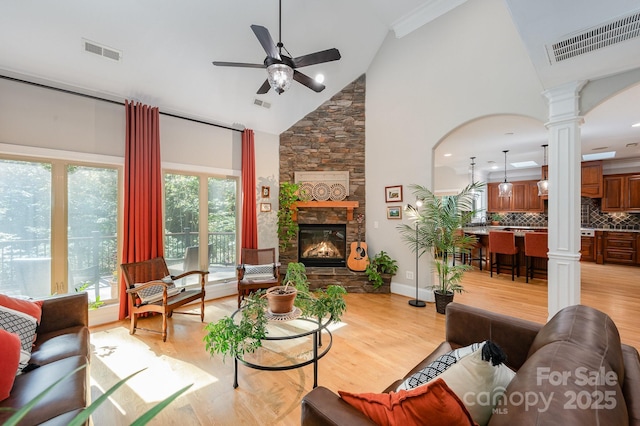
{"points": [[436, 367], [154, 293], [258, 272], [21, 317]]}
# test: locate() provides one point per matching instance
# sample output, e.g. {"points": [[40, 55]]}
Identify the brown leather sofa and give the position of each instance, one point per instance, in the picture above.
{"points": [[61, 346], [575, 361]]}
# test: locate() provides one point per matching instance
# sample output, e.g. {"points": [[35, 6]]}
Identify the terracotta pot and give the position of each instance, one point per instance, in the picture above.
{"points": [[442, 300], [280, 302]]}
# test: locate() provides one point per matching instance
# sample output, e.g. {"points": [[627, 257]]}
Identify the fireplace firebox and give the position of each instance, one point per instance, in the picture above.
{"points": [[322, 244]]}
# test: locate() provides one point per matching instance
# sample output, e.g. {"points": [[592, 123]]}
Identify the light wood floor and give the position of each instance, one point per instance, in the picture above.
{"points": [[381, 338]]}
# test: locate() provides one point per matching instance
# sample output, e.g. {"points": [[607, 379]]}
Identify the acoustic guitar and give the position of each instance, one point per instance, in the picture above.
{"points": [[358, 259]]}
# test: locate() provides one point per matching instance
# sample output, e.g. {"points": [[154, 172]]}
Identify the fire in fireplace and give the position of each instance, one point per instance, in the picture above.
{"points": [[322, 244]]}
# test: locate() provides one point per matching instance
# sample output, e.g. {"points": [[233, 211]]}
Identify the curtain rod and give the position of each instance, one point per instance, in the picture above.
{"points": [[84, 95]]}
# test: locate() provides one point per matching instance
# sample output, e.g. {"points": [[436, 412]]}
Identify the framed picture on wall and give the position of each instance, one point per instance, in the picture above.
{"points": [[265, 207], [265, 191], [394, 212], [393, 194]]}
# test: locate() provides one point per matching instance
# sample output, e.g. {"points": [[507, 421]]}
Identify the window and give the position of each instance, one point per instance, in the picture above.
{"points": [[42, 250], [200, 208]]}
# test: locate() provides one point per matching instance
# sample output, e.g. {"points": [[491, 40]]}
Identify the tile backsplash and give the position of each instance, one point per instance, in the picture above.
{"points": [[598, 219], [590, 217]]}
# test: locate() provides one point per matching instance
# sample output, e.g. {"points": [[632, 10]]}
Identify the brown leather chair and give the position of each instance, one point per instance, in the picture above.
{"points": [[535, 245], [151, 288], [258, 270], [503, 242]]}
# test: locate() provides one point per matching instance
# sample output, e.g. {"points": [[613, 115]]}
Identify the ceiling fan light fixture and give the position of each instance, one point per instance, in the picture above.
{"points": [[280, 77]]}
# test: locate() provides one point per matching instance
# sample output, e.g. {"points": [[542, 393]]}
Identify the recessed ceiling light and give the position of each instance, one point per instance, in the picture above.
{"points": [[598, 156], [447, 155], [635, 125], [320, 78], [522, 164], [600, 148], [508, 133]]}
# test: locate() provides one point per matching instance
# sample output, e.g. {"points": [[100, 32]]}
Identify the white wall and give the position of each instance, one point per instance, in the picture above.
{"points": [[468, 64]]}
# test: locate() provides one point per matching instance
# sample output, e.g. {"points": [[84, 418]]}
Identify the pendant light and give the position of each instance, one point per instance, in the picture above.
{"points": [[505, 188], [543, 185]]}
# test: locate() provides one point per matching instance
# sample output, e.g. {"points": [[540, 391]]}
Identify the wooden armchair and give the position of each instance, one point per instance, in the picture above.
{"points": [[258, 270], [151, 288]]}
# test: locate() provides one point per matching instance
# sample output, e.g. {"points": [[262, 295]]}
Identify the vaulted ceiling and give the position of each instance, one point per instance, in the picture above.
{"points": [[167, 48]]}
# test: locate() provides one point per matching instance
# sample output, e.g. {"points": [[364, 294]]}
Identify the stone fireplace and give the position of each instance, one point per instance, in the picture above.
{"points": [[322, 245], [331, 138]]}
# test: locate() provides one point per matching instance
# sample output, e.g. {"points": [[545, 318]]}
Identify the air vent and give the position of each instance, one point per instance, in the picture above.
{"points": [[97, 49], [263, 104], [595, 38]]}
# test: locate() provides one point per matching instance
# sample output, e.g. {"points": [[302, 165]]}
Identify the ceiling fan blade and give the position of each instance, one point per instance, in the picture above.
{"points": [[317, 58], [237, 64], [266, 41], [308, 81], [264, 88]]}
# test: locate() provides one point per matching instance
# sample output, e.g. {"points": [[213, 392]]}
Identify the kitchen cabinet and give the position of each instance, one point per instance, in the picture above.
{"points": [[592, 179], [620, 247], [621, 193], [587, 249], [632, 193], [524, 198]]}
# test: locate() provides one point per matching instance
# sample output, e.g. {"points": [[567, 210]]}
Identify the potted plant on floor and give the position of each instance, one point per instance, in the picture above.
{"points": [[380, 269], [437, 229], [235, 338]]}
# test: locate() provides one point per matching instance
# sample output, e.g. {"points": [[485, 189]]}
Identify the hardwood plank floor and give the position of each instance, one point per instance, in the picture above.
{"points": [[380, 339]]}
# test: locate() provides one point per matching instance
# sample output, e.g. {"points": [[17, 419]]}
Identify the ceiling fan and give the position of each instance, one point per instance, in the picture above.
{"points": [[281, 68]]}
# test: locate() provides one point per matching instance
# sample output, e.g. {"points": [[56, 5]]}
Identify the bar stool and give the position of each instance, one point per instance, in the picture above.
{"points": [[477, 247], [503, 242], [535, 245]]}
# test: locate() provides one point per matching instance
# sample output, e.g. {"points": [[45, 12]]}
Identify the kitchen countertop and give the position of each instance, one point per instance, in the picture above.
{"points": [[520, 230]]}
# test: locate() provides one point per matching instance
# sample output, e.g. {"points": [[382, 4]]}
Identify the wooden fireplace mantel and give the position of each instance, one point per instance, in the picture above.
{"points": [[349, 205]]}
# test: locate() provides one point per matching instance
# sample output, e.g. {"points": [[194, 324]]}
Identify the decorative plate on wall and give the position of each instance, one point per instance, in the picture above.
{"points": [[306, 191], [338, 192], [321, 191]]}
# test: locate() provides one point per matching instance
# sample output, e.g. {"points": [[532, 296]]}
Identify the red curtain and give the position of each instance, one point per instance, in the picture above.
{"points": [[249, 218], [143, 235]]}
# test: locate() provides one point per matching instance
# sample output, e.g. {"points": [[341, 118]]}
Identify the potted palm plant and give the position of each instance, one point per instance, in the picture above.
{"points": [[437, 229]]}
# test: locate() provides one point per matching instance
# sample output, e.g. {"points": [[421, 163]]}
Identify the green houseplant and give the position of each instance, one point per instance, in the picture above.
{"points": [[437, 229], [234, 338], [380, 269], [495, 219], [287, 227]]}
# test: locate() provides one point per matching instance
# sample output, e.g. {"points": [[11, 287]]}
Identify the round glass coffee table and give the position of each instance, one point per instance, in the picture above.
{"points": [[292, 341]]}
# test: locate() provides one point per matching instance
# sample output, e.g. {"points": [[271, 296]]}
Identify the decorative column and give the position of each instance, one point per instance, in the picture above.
{"points": [[564, 196]]}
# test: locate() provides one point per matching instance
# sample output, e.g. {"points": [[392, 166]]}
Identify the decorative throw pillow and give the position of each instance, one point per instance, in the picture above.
{"points": [[479, 383], [434, 404], [437, 366], [21, 317], [9, 361], [258, 272], [153, 293]]}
